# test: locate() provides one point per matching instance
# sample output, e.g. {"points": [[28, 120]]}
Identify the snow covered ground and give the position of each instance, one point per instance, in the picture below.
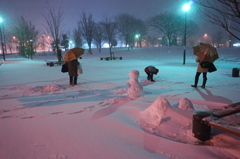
{"points": [[42, 117]]}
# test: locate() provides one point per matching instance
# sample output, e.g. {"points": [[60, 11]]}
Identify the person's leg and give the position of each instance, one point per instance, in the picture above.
{"points": [[151, 77], [75, 80], [148, 76], [70, 80], [204, 79], [196, 79]]}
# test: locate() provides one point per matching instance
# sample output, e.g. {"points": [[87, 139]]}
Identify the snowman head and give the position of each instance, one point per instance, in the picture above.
{"points": [[134, 74]]}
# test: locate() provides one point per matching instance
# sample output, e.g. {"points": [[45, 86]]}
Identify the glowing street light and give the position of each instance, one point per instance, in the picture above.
{"points": [[138, 37], [70, 44], [2, 42], [185, 8], [205, 37]]}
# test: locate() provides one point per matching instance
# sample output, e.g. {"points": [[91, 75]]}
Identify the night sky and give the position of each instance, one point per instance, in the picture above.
{"points": [[32, 9]]}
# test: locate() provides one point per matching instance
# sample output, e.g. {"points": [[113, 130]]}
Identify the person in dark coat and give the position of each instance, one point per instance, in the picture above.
{"points": [[198, 73], [150, 70], [72, 71], [59, 54]]}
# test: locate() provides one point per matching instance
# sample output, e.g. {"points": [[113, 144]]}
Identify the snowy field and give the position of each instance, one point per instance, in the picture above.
{"points": [[42, 117]]}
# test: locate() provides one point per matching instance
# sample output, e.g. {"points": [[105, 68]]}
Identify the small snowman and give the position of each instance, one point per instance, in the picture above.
{"points": [[135, 89]]}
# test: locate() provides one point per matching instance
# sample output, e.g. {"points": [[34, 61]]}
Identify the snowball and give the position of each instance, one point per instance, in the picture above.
{"points": [[184, 104], [134, 74]]}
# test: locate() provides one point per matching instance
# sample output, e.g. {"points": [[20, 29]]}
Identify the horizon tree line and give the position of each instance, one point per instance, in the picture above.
{"points": [[167, 25]]}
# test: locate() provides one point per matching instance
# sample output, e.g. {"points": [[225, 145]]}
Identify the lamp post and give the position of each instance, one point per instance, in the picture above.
{"points": [[70, 44], [185, 8], [43, 45], [2, 42], [138, 36]]}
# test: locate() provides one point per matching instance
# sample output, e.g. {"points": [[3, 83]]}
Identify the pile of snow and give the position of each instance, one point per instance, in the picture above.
{"points": [[161, 119], [151, 117], [41, 89], [185, 104]]}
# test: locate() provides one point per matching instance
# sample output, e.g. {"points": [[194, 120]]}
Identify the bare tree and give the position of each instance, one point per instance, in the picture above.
{"points": [[32, 35], [86, 27], [98, 36], [27, 35], [129, 26], [109, 31], [65, 41], [223, 13], [10, 41], [126, 27], [171, 25], [151, 40], [77, 37], [217, 38], [167, 23], [53, 26], [192, 28], [192, 32], [141, 30]]}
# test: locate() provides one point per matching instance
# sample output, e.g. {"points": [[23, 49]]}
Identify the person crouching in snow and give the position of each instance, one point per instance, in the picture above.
{"points": [[150, 70], [135, 89]]}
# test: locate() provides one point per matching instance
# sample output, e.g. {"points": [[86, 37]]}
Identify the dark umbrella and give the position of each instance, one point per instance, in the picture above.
{"points": [[205, 52]]}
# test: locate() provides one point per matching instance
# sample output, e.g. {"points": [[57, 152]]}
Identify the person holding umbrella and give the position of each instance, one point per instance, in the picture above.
{"points": [[71, 59], [198, 73], [205, 53]]}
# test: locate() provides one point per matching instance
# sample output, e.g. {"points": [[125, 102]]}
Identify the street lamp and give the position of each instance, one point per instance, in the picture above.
{"points": [[185, 8], [70, 44], [138, 37], [205, 38], [1, 32]]}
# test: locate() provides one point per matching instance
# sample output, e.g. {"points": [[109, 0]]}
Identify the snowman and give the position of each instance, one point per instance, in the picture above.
{"points": [[135, 89]]}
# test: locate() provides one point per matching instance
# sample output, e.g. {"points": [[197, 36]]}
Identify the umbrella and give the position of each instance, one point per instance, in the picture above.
{"points": [[205, 52], [73, 54]]}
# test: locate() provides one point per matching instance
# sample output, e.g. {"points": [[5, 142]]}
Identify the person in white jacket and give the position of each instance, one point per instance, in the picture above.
{"points": [[198, 73]]}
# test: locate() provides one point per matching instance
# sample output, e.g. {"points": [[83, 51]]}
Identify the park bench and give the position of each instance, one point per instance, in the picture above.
{"points": [[52, 63], [203, 121], [112, 57], [235, 72]]}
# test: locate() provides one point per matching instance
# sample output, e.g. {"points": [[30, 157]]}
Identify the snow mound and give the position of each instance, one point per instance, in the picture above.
{"points": [[152, 116], [163, 120], [41, 89], [185, 104], [121, 91], [51, 88]]}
